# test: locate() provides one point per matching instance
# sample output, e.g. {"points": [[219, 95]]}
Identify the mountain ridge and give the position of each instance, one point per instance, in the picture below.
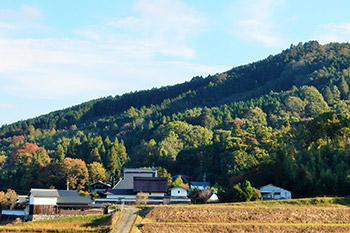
{"points": [[230, 125]]}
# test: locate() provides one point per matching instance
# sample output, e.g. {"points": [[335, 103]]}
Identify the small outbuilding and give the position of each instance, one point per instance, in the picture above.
{"points": [[99, 187], [273, 192], [53, 203], [179, 194]]}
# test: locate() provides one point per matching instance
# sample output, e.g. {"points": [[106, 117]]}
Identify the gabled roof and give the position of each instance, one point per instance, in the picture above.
{"points": [[101, 183], [141, 170], [180, 187], [22, 199], [63, 196], [129, 173], [74, 200], [151, 184], [270, 188], [120, 192], [200, 183], [44, 192]]}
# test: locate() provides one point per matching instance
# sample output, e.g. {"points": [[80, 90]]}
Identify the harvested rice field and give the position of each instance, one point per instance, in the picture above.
{"points": [[258, 217]]}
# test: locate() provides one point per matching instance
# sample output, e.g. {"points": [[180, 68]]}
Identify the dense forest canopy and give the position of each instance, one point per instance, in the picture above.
{"points": [[282, 120]]}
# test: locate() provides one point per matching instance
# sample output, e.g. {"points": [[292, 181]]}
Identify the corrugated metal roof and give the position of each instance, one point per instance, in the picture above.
{"points": [[199, 183], [271, 188], [151, 184]]}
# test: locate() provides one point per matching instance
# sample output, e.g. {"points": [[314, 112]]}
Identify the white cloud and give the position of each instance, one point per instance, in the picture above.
{"points": [[111, 57], [259, 26], [59, 68], [160, 27], [14, 20], [334, 32]]}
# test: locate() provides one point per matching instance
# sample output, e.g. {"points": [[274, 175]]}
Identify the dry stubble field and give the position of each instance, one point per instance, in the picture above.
{"points": [[252, 218]]}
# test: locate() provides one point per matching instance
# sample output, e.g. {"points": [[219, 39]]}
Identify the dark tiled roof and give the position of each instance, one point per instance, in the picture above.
{"points": [[68, 193], [44, 192], [100, 183], [120, 192], [74, 200], [151, 184], [129, 173], [63, 196]]}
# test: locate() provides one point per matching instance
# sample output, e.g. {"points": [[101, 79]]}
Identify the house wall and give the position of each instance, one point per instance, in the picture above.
{"points": [[178, 192], [42, 200], [213, 198], [275, 192], [79, 211], [155, 194], [121, 196], [42, 209], [177, 200], [199, 187]]}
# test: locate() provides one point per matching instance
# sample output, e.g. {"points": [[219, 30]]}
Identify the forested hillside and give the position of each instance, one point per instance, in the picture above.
{"points": [[282, 120]]}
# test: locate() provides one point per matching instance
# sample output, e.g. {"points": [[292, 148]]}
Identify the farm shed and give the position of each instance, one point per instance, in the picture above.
{"points": [[273, 192], [179, 194], [53, 202]]}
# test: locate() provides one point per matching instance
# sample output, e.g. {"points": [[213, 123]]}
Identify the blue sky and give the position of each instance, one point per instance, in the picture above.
{"points": [[55, 54]]}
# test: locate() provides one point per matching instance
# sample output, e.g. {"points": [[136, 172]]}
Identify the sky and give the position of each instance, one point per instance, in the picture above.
{"points": [[56, 54]]}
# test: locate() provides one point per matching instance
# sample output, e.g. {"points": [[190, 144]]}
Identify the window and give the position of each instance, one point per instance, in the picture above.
{"points": [[277, 193], [178, 191]]}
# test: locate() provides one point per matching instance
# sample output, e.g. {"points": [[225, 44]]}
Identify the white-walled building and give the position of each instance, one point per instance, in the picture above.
{"points": [[179, 194], [58, 202], [273, 192]]}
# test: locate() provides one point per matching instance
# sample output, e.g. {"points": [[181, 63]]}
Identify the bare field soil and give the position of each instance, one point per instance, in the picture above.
{"points": [[194, 228], [244, 215]]}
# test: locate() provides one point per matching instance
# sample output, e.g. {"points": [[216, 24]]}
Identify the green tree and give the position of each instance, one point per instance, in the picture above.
{"points": [[179, 182], [96, 172]]}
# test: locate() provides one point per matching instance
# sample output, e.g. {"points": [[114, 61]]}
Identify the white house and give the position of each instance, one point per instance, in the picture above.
{"points": [[212, 197], [179, 194], [273, 192]]}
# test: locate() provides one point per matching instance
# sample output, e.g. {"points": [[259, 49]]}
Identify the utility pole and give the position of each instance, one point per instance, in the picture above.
{"points": [[67, 184]]}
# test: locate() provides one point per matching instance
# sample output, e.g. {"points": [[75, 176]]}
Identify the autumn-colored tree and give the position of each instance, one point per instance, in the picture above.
{"points": [[8, 199], [75, 171], [29, 148], [141, 198], [96, 172]]}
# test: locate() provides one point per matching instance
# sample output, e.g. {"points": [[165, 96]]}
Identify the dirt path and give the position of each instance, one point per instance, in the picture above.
{"points": [[127, 221]]}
